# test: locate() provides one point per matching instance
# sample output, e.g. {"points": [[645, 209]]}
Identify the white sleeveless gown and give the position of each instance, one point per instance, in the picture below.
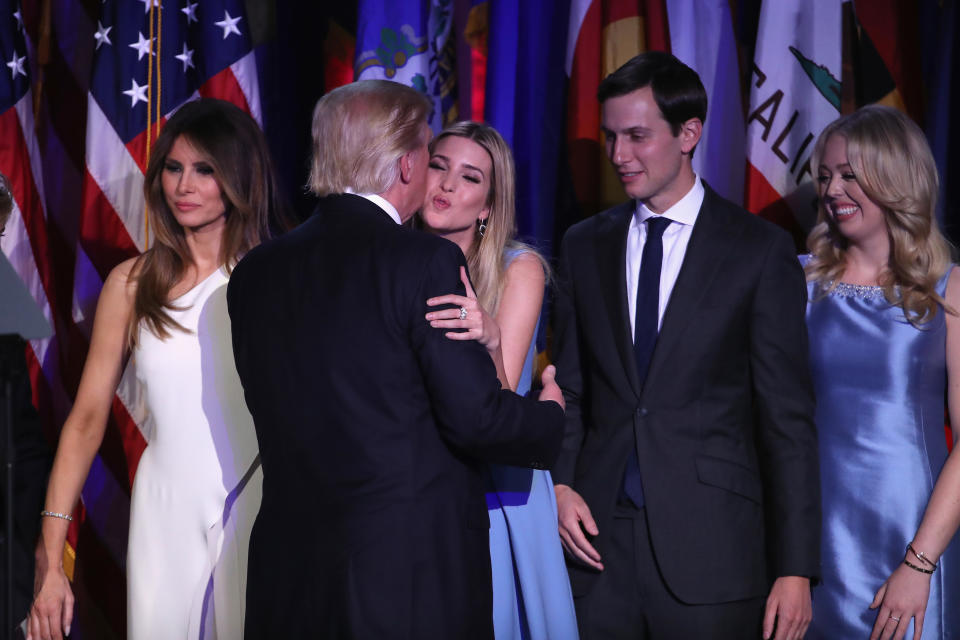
{"points": [[198, 485]]}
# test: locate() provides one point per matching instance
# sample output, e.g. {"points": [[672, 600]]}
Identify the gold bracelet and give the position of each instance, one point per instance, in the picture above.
{"points": [[54, 514], [915, 567], [920, 556]]}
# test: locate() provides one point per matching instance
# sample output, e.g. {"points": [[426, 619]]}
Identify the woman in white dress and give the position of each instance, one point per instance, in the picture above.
{"points": [[211, 197]]}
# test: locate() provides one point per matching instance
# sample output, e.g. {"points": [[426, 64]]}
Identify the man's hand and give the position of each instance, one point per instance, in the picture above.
{"points": [[571, 512], [551, 391], [788, 605]]}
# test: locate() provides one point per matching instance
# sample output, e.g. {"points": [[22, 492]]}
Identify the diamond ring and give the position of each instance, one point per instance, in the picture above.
{"points": [[463, 313]]}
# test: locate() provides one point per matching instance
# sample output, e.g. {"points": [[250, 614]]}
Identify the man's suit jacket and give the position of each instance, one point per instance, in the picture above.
{"points": [[724, 421], [371, 424]]}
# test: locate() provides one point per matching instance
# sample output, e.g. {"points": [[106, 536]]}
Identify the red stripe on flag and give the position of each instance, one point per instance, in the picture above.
{"points": [[893, 28], [224, 86], [130, 437], [656, 26], [478, 83], [138, 146], [759, 194], [37, 379], [614, 10], [102, 234], [763, 200], [15, 164], [42, 397], [583, 113], [338, 55]]}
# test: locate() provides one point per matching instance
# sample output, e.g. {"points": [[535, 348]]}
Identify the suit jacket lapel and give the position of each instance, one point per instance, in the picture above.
{"points": [[711, 240], [611, 255]]}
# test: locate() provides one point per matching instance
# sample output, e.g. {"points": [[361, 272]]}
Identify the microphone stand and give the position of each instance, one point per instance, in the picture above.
{"points": [[6, 428]]}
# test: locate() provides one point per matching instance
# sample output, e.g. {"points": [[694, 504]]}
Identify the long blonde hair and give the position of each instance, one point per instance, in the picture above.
{"points": [[236, 149], [892, 162], [486, 256]]}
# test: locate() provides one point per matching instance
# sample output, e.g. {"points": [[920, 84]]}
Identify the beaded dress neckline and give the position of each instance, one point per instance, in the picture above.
{"points": [[847, 290]]}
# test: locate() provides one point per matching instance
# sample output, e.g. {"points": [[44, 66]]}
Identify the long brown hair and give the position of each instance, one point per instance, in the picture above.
{"points": [[485, 258], [237, 151], [893, 165]]}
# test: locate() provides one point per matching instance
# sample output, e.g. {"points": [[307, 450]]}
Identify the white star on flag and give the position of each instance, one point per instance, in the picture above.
{"points": [[228, 24], [186, 58], [137, 93], [16, 14], [146, 5], [102, 36], [191, 12], [16, 66], [142, 45]]}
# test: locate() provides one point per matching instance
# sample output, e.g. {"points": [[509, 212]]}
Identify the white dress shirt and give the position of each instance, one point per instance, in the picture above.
{"points": [[383, 203], [676, 237]]}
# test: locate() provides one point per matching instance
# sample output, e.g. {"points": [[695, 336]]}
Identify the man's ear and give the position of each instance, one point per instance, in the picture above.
{"points": [[690, 132], [406, 167]]}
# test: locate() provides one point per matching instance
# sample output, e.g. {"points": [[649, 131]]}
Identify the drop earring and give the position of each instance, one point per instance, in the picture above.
{"points": [[481, 226]]}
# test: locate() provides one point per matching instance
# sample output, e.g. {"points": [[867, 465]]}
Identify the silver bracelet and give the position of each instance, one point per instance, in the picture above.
{"points": [[921, 556], [53, 514]]}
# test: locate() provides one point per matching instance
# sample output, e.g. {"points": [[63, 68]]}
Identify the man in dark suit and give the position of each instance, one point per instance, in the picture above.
{"points": [[688, 480], [371, 423]]}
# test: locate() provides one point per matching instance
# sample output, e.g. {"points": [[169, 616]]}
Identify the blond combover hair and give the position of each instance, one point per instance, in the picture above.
{"points": [[485, 258], [892, 162], [234, 146], [360, 131]]}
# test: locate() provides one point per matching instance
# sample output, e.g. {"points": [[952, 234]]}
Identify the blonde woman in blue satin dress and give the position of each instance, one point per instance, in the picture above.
{"points": [[470, 201], [885, 351]]}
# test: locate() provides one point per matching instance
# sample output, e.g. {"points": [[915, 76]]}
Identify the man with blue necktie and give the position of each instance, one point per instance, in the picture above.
{"points": [[688, 487]]}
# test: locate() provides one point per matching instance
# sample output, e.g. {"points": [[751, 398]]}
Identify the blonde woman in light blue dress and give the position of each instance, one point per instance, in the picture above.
{"points": [[470, 201], [884, 331]]}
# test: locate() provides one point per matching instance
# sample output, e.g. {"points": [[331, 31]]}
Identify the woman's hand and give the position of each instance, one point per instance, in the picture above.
{"points": [[479, 325], [52, 610], [904, 596]]}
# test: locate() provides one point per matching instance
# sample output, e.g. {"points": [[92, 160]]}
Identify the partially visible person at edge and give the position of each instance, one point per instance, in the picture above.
{"points": [[211, 197], [885, 351], [372, 425], [687, 488], [470, 201], [31, 458]]}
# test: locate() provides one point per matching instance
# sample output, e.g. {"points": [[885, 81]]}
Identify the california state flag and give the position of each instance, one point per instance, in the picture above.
{"points": [[794, 94]]}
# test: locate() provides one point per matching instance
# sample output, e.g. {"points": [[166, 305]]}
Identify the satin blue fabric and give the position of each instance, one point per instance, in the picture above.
{"points": [[531, 588], [880, 387]]}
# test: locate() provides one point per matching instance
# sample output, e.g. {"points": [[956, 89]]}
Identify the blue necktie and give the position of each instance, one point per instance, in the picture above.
{"points": [[645, 333]]}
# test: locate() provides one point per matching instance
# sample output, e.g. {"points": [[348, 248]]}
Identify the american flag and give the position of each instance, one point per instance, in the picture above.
{"points": [[25, 240], [149, 57]]}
